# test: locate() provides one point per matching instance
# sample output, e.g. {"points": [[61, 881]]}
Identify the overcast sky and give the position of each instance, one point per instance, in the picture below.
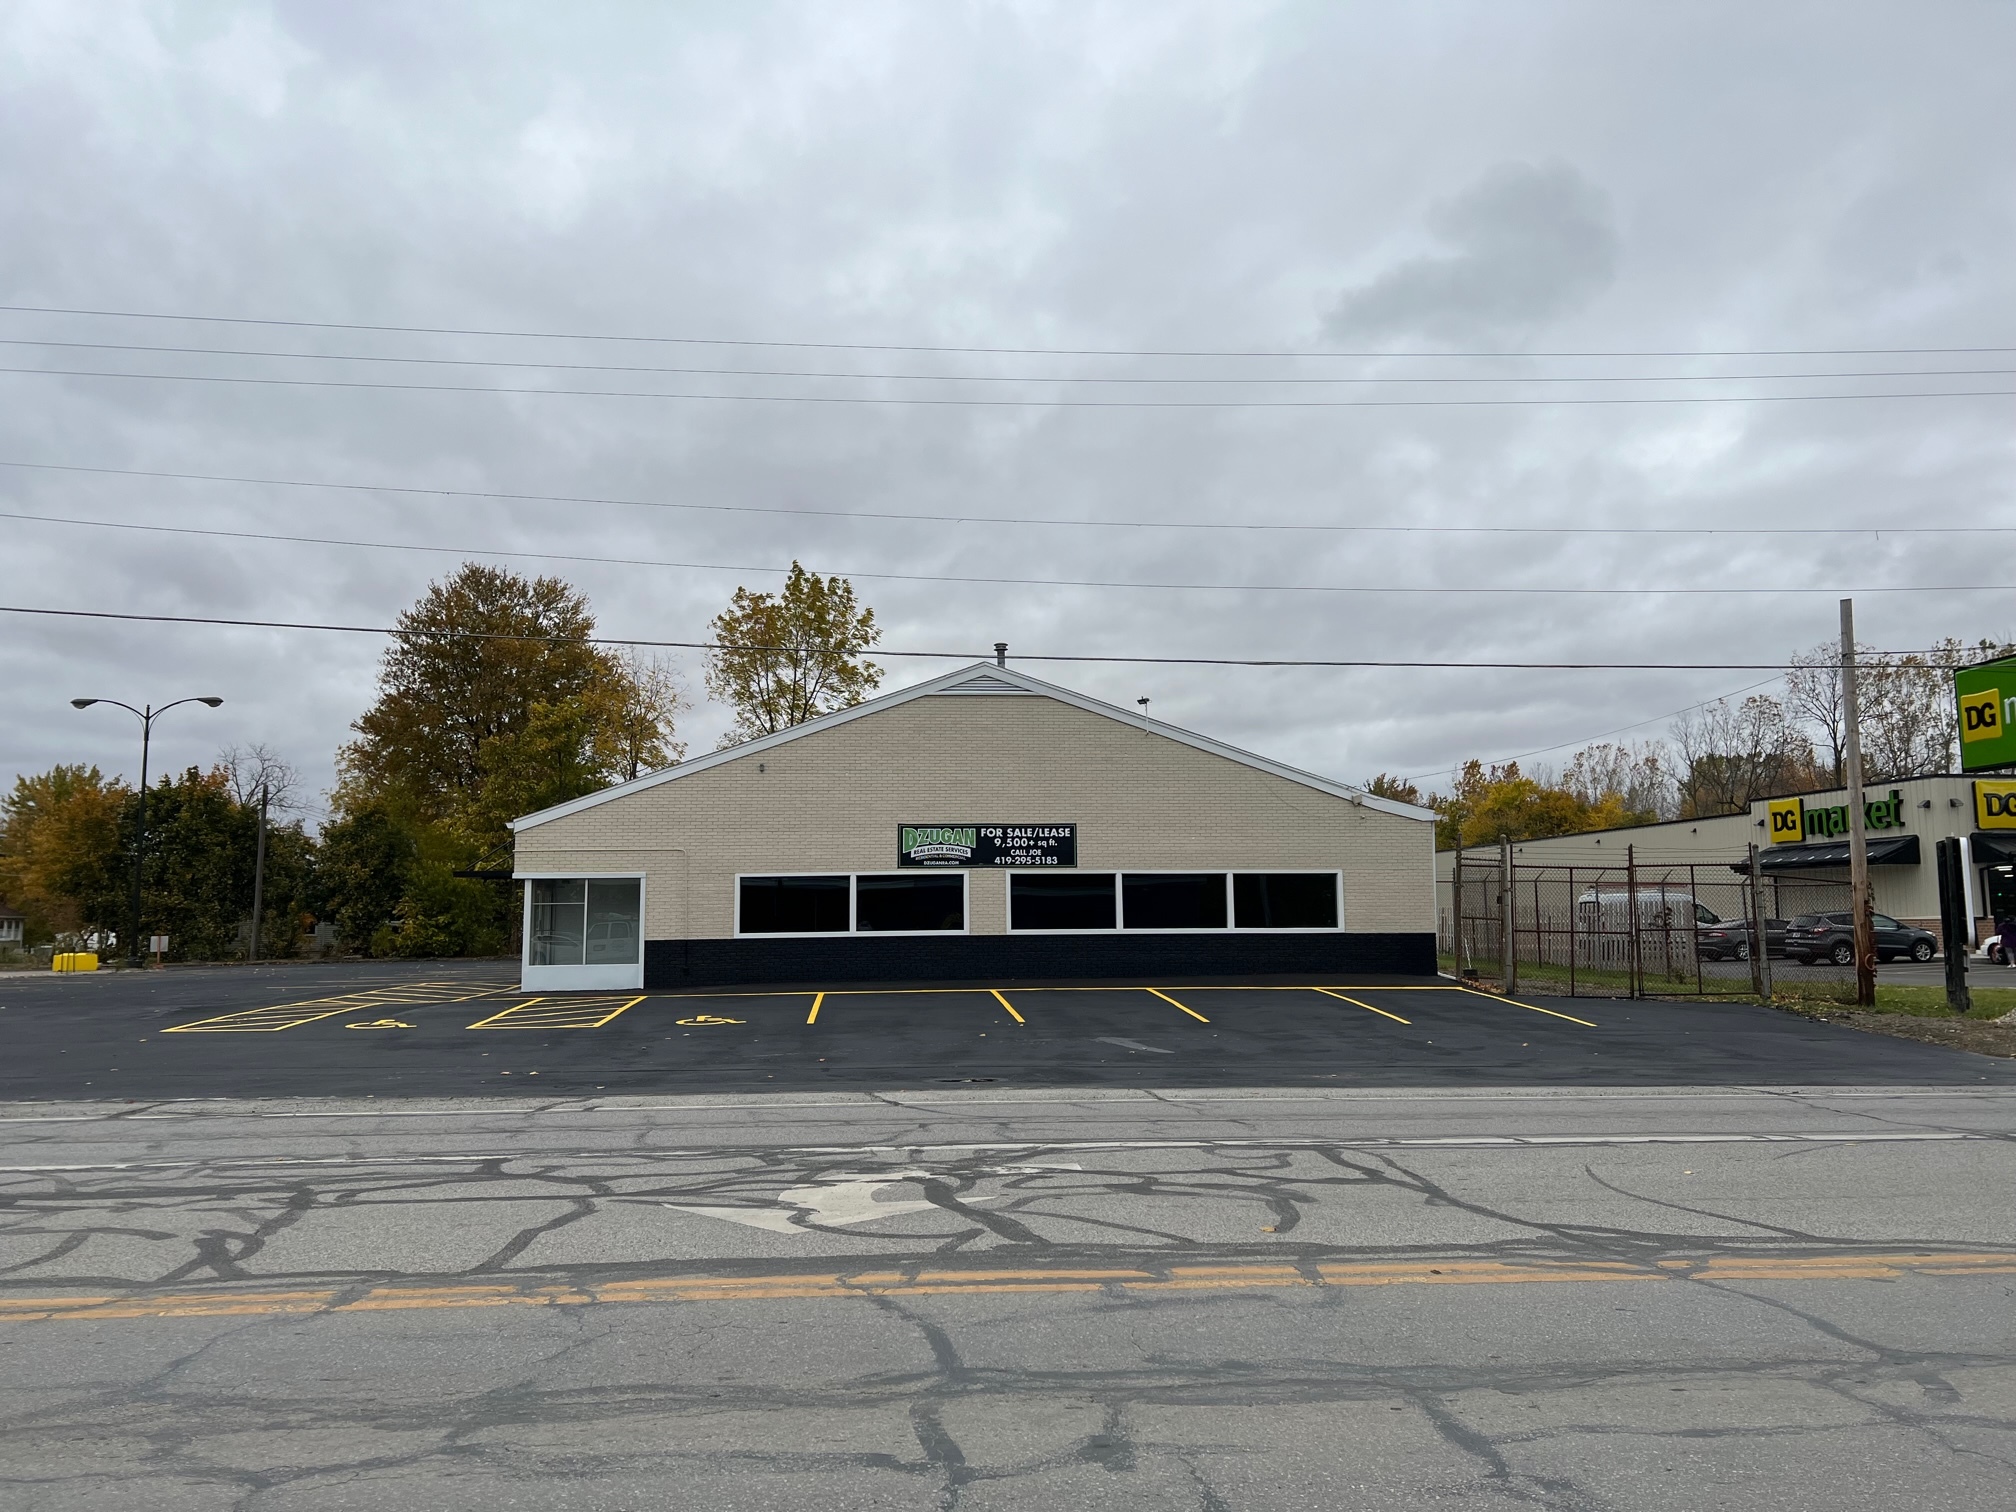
{"points": [[1414, 180]]}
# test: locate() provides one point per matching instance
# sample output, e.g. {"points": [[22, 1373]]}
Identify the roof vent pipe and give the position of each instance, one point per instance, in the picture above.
{"points": [[1000, 653]]}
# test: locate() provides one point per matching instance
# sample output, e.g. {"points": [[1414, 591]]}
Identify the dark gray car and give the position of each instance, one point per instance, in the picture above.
{"points": [[1831, 937]]}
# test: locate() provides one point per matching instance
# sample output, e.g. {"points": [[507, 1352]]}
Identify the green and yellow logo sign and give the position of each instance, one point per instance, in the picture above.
{"points": [[1994, 805], [1787, 820], [1985, 716]]}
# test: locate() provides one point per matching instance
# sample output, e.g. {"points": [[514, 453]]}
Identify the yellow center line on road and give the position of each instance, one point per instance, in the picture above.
{"points": [[813, 1016], [1333, 992], [1168, 999], [995, 1282], [1008, 1005]]}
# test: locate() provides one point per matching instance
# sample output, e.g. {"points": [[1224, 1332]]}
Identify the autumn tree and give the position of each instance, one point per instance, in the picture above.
{"points": [[465, 667], [1487, 803], [1733, 754], [784, 658], [1399, 789], [60, 850]]}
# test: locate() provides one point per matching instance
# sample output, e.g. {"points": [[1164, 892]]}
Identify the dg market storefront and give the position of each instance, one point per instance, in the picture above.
{"points": [[982, 826]]}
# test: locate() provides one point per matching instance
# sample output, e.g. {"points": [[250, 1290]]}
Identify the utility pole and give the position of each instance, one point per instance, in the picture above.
{"points": [[259, 875], [1858, 830]]}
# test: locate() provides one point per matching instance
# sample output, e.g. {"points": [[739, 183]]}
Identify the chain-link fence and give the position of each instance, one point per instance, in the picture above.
{"points": [[1635, 930]]}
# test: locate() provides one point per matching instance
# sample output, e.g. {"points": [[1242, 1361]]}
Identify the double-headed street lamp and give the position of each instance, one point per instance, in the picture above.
{"points": [[146, 716]]}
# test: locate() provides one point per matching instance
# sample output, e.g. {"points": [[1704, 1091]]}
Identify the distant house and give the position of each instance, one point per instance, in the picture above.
{"points": [[11, 926]]}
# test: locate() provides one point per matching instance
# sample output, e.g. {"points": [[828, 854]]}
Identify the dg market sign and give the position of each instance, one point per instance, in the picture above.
{"points": [[987, 845]]}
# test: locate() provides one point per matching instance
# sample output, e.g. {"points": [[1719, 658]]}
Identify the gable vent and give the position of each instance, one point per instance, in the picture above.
{"points": [[984, 682]]}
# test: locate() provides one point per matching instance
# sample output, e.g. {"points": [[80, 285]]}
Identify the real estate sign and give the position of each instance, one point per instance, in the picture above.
{"points": [[1985, 698]]}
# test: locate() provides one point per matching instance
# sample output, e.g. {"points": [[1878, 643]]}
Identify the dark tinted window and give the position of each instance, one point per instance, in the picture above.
{"points": [[1174, 900], [794, 905], [1884, 921], [926, 902], [1284, 900], [1060, 900], [1803, 921]]}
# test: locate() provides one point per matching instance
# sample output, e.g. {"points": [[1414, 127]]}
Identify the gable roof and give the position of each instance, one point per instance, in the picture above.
{"points": [[982, 679]]}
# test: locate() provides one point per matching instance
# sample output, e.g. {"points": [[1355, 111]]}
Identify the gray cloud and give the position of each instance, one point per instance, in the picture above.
{"points": [[1527, 244], [1163, 176]]}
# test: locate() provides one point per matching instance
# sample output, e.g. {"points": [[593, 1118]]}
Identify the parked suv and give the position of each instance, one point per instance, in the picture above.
{"points": [[1831, 937], [1735, 939]]}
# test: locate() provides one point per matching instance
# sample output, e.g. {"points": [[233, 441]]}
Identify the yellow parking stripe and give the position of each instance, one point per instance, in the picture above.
{"points": [[1008, 1005], [559, 1013], [1168, 999], [1332, 992], [997, 1282], [1527, 1006], [312, 1010], [813, 1016]]}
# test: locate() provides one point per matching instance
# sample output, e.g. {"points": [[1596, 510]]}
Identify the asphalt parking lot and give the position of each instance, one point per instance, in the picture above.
{"points": [[460, 1029]]}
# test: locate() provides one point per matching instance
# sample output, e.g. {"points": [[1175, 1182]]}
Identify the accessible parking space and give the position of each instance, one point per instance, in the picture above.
{"points": [[435, 1031]]}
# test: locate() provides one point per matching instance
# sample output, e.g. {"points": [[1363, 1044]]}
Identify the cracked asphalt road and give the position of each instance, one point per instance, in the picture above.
{"points": [[1222, 1299]]}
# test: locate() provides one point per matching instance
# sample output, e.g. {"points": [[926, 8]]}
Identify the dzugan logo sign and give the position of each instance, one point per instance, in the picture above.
{"points": [[987, 845]]}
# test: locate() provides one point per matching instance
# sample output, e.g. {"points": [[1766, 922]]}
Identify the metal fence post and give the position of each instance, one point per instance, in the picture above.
{"points": [[1760, 938], [1508, 898], [1636, 956], [1574, 907]]}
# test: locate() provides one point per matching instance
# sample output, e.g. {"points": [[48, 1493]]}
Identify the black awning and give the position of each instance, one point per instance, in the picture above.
{"points": [[1989, 848], [1887, 850]]}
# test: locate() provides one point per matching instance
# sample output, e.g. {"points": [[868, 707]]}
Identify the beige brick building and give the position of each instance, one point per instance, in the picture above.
{"points": [[983, 825]]}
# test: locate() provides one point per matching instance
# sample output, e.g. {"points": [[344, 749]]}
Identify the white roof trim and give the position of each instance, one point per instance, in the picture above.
{"points": [[948, 683]]}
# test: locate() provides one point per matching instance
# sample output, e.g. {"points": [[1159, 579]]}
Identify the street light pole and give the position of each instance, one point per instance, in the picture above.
{"points": [[146, 716]]}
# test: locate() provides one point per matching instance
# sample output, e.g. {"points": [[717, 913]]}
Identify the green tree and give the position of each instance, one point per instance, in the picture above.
{"points": [[201, 858], [782, 659], [367, 859]]}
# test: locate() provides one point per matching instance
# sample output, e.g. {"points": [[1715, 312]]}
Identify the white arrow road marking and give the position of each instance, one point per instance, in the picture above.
{"points": [[842, 1200]]}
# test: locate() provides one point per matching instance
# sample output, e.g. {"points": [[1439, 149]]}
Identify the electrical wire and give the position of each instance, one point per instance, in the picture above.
{"points": [[1017, 582], [963, 403], [998, 351], [877, 651], [1110, 379], [1915, 527]]}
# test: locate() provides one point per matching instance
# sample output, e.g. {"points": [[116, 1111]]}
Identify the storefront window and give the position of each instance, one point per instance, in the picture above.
{"points": [[615, 922], [1173, 900], [559, 923], [1061, 900], [1284, 900], [793, 905], [910, 903]]}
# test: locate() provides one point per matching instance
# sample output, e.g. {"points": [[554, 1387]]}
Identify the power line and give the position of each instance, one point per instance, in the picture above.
{"points": [[1914, 528], [1108, 379], [962, 403], [1018, 582], [996, 351], [877, 651]]}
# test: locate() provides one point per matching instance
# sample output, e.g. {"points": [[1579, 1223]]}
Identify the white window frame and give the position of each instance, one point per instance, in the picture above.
{"points": [[1231, 911], [582, 978], [1054, 871], [1119, 874], [965, 875], [853, 906]]}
